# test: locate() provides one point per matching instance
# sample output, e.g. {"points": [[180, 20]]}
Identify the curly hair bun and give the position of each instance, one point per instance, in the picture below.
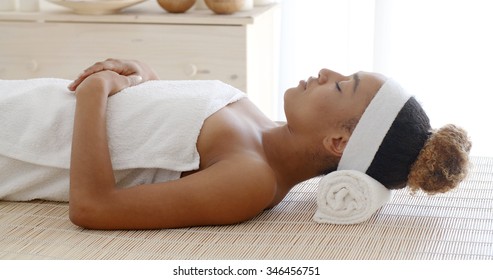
{"points": [[443, 162]]}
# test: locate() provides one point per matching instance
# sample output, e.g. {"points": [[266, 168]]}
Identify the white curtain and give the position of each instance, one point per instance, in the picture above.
{"points": [[441, 51]]}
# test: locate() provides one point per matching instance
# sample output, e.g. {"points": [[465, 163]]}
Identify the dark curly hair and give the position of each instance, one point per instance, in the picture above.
{"points": [[415, 155]]}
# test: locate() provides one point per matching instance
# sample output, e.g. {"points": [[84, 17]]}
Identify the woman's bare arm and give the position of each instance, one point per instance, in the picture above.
{"points": [[90, 159], [222, 194], [230, 191]]}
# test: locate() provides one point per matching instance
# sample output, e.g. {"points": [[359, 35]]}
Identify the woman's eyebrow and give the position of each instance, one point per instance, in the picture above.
{"points": [[356, 81]]}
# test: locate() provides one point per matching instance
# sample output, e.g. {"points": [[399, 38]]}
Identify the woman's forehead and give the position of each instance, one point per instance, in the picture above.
{"points": [[370, 82], [373, 76]]}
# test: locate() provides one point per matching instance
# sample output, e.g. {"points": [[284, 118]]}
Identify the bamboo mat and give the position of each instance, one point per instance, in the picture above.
{"points": [[456, 225]]}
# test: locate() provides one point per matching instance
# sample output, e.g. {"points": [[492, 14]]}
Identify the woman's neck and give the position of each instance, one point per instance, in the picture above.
{"points": [[287, 156]]}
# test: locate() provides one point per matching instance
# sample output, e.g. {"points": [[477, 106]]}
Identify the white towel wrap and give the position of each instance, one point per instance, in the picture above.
{"points": [[152, 131], [152, 125], [349, 197]]}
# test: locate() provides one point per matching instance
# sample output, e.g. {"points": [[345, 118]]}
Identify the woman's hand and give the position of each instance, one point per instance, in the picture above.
{"points": [[107, 82], [120, 66]]}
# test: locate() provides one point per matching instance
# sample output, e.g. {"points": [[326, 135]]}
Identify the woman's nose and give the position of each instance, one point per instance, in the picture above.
{"points": [[326, 74]]}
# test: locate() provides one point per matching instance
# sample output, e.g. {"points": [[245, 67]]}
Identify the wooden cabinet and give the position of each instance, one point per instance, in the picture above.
{"points": [[239, 49]]}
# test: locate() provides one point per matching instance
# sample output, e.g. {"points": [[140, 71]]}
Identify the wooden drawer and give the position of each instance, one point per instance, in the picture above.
{"points": [[63, 50]]}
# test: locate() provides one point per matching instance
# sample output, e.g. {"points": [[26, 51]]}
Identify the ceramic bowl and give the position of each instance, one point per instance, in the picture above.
{"points": [[100, 7]]}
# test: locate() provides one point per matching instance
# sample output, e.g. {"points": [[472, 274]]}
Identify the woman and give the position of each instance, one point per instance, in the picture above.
{"points": [[248, 163]]}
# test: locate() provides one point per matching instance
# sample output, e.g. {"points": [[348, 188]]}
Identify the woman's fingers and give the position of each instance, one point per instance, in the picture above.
{"points": [[109, 64], [135, 80]]}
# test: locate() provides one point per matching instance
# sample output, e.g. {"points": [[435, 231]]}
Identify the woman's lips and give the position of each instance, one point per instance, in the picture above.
{"points": [[303, 84]]}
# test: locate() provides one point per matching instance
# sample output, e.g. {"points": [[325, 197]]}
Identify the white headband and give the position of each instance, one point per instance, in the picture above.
{"points": [[373, 126]]}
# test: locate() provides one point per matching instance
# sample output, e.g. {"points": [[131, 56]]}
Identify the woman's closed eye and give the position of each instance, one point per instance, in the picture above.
{"points": [[338, 87]]}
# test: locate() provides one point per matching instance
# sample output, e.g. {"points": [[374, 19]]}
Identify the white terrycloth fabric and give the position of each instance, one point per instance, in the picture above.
{"points": [[23, 181], [152, 126], [349, 197]]}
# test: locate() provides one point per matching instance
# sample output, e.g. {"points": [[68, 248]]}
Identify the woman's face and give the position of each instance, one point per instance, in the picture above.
{"points": [[326, 101]]}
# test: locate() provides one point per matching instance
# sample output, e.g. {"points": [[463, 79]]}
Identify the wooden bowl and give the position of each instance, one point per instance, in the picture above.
{"points": [[176, 6], [225, 6]]}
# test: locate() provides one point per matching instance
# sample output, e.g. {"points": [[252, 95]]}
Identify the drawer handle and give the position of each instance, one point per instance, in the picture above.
{"points": [[190, 70], [33, 65]]}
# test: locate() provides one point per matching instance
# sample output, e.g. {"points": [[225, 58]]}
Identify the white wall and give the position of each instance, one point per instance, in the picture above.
{"points": [[334, 34], [442, 52]]}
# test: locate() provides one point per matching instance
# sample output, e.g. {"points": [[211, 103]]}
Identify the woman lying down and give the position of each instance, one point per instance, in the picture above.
{"points": [[128, 151]]}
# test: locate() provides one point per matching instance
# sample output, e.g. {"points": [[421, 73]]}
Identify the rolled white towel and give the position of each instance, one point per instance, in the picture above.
{"points": [[349, 197]]}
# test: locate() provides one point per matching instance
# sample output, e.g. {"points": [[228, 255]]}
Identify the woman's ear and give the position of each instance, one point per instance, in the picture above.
{"points": [[335, 145]]}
